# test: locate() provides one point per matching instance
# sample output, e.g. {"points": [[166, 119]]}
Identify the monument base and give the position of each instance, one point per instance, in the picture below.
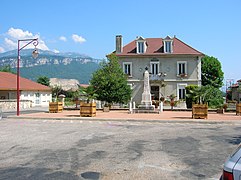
{"points": [[145, 109]]}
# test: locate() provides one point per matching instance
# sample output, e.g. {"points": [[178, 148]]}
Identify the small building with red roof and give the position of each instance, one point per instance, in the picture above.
{"points": [[172, 65], [38, 94], [236, 91]]}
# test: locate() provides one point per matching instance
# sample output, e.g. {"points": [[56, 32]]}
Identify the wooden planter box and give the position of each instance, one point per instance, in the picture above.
{"points": [[220, 110], [238, 109], [87, 109], [55, 107], [199, 111], [106, 109]]}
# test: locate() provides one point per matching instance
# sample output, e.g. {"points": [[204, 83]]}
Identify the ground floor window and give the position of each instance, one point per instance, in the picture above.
{"points": [[182, 94], [181, 91]]}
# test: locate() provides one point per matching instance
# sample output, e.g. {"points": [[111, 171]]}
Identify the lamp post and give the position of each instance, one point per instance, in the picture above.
{"points": [[34, 54]]}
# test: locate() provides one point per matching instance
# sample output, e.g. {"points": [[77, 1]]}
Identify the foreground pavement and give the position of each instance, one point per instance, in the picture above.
{"points": [[76, 149]]}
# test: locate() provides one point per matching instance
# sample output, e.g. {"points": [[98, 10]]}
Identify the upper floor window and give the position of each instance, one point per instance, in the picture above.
{"points": [[167, 43], [140, 45], [168, 46], [154, 68], [182, 68], [127, 68]]}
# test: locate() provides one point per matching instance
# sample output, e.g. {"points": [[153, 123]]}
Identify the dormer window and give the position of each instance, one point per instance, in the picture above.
{"points": [[167, 42], [140, 45]]}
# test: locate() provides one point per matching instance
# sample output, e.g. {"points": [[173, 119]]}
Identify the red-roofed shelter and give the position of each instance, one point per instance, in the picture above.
{"points": [[38, 94]]}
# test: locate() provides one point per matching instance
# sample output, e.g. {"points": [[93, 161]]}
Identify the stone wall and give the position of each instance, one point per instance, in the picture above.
{"points": [[11, 104]]}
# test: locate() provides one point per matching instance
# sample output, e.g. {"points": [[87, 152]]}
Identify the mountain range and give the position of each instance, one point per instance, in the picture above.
{"points": [[68, 65]]}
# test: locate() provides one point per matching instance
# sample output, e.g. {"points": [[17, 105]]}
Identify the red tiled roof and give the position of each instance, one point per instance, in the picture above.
{"points": [[8, 81], [155, 47]]}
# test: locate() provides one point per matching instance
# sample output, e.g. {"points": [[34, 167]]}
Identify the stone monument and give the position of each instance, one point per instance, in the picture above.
{"points": [[146, 103]]}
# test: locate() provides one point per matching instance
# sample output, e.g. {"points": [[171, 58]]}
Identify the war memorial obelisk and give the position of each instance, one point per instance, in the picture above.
{"points": [[146, 103]]}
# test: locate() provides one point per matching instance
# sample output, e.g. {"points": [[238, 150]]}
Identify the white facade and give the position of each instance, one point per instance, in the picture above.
{"points": [[38, 98], [172, 65]]}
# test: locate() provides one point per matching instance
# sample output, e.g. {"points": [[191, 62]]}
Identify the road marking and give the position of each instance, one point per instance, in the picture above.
{"points": [[44, 120], [80, 121], [62, 121], [71, 121]]}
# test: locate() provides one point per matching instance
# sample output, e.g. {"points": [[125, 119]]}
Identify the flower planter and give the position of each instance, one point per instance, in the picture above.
{"points": [[87, 109], [238, 109], [106, 109], [199, 111], [220, 111], [55, 107]]}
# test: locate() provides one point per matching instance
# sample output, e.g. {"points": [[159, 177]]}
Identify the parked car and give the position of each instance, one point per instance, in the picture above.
{"points": [[232, 166]]}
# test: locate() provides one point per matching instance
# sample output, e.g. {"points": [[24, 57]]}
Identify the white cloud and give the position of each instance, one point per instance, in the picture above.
{"points": [[62, 38], [13, 35], [78, 38], [19, 33], [1, 49], [10, 43], [56, 51]]}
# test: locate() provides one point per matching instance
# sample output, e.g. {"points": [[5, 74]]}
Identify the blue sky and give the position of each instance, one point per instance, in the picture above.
{"points": [[89, 26]]}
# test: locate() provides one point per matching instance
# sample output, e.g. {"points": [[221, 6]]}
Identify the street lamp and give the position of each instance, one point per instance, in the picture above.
{"points": [[34, 54]]}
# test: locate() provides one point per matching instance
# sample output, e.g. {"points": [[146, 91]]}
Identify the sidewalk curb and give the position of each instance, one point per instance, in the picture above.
{"points": [[202, 121]]}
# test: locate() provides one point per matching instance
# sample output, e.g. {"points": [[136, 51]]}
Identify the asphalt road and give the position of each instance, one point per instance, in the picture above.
{"points": [[68, 149]]}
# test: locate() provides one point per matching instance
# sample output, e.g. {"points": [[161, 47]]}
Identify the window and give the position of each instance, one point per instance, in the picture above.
{"points": [[182, 68], [154, 68], [168, 46], [127, 68], [181, 91], [140, 48]]}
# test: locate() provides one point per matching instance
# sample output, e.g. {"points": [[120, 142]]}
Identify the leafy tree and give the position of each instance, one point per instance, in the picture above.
{"points": [[43, 80], [190, 99], [55, 91], [206, 94], [212, 73], [6, 68], [88, 93], [110, 83]]}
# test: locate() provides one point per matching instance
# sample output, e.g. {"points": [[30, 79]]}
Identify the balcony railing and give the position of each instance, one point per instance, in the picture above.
{"points": [[155, 77]]}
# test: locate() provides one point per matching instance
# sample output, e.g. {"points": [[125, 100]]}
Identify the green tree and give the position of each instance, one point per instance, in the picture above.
{"points": [[56, 91], [110, 83], [88, 93], [6, 68], [206, 94], [43, 80], [190, 99], [212, 73]]}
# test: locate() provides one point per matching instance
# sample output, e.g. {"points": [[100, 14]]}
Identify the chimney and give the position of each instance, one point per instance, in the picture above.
{"points": [[119, 44]]}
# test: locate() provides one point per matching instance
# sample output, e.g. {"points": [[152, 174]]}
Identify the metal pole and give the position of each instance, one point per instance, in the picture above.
{"points": [[18, 83], [35, 43]]}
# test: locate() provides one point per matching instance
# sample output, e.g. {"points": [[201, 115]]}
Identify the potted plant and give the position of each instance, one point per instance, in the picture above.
{"points": [[220, 109], [56, 107], [88, 107], [172, 102], [200, 96], [106, 107]]}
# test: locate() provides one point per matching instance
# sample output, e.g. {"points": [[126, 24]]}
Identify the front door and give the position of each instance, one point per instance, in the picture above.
{"points": [[155, 93], [37, 98]]}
